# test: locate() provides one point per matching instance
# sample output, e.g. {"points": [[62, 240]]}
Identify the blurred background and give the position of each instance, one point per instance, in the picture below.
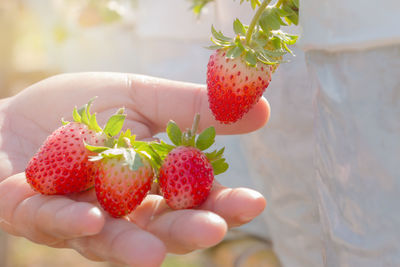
{"points": [[41, 38]]}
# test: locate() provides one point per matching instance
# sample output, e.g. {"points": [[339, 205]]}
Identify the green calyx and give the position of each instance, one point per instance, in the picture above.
{"points": [[129, 157], [262, 41], [127, 147], [189, 138], [112, 127]]}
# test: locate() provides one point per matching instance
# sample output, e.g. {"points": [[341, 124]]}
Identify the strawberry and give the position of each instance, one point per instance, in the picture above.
{"points": [[186, 177], [120, 187], [186, 174], [240, 69], [61, 164], [124, 175], [233, 86]]}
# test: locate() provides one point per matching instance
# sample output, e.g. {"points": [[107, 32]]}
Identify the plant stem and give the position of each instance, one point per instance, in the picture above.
{"points": [[195, 124], [255, 19]]}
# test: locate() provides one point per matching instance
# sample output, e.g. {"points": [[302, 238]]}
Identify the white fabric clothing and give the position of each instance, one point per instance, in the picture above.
{"points": [[357, 154], [280, 160], [343, 24], [353, 58]]}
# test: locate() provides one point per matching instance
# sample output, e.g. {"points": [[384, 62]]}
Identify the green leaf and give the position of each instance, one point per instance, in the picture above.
{"points": [[238, 27], [174, 133], [293, 19], [253, 3], [260, 42], [221, 43], [276, 43], [206, 138], [112, 152], [296, 3], [251, 58], [285, 11], [215, 155], [85, 118], [82, 115], [114, 124], [219, 36], [93, 123], [81, 110], [110, 142], [264, 59], [162, 148], [146, 150], [76, 115], [234, 52], [219, 166], [274, 53], [63, 122], [270, 19], [125, 137], [286, 38], [96, 149]]}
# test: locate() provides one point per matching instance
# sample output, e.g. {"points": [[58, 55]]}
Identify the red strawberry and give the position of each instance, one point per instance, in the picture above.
{"points": [[186, 177], [233, 86], [61, 164], [240, 69], [187, 174]]}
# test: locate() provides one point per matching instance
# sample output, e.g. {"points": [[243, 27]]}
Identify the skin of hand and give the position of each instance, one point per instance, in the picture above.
{"points": [[75, 221]]}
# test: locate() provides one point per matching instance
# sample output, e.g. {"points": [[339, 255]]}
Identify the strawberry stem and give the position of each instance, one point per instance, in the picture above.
{"points": [[255, 19], [195, 124]]}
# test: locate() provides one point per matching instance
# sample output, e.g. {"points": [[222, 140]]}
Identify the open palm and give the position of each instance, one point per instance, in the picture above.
{"points": [[75, 221]]}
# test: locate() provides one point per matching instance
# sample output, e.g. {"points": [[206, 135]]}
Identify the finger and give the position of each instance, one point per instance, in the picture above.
{"points": [[236, 205], [46, 219], [162, 100], [181, 230], [122, 242], [153, 101]]}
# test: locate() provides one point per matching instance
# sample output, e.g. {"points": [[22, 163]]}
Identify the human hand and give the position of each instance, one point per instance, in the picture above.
{"points": [[75, 221]]}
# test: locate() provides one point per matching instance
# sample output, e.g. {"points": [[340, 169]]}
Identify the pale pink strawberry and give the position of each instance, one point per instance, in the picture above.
{"points": [[122, 181]]}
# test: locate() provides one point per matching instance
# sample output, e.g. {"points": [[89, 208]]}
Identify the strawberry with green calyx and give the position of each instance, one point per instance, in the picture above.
{"points": [[61, 165], [124, 174], [187, 173], [240, 69]]}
